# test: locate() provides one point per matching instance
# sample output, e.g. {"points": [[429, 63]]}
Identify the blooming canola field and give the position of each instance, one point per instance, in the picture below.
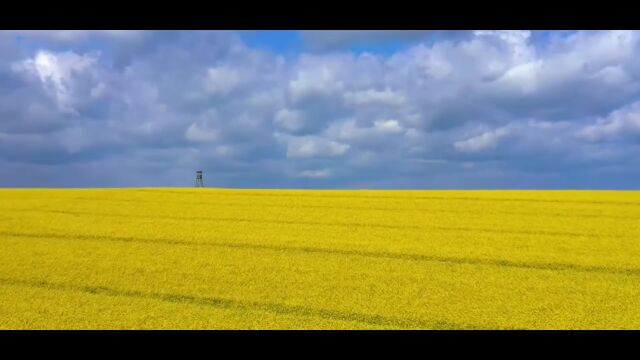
{"points": [[204, 258]]}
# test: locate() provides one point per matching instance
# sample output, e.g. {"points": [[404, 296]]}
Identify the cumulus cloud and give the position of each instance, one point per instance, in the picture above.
{"points": [[381, 131], [486, 140], [290, 120], [313, 146], [56, 72], [197, 133], [385, 97], [471, 109], [224, 79], [316, 174], [387, 126], [318, 77], [620, 124]]}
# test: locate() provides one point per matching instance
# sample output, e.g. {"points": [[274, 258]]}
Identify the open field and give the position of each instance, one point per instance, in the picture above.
{"points": [[296, 259]]}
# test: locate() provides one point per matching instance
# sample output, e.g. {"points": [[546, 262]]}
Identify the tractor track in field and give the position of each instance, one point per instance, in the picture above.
{"points": [[332, 224], [343, 252], [422, 211], [232, 304], [405, 198], [204, 192]]}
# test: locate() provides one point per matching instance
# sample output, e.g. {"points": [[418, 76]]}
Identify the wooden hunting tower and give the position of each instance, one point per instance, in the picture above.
{"points": [[199, 182]]}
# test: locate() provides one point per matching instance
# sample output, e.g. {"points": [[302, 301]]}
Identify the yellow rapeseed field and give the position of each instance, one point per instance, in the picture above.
{"points": [[318, 259]]}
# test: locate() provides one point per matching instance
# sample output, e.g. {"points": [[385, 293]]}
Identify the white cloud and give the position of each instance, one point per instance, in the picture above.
{"points": [[313, 146], [620, 123], [612, 75], [350, 131], [290, 120], [99, 90], [210, 100], [57, 71], [79, 35], [486, 140], [524, 77], [318, 76], [223, 79], [517, 42], [374, 97], [316, 174], [201, 134], [270, 99], [548, 125], [387, 126]]}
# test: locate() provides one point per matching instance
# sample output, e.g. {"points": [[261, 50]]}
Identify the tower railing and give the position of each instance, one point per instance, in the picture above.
{"points": [[199, 182]]}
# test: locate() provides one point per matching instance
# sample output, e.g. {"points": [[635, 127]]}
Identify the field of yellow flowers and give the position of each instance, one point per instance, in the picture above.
{"points": [[318, 259]]}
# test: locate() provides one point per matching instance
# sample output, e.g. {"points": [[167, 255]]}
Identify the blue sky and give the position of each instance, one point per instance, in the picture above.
{"points": [[279, 41], [292, 42], [320, 109]]}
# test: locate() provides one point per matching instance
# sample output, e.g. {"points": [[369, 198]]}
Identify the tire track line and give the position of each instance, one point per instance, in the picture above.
{"points": [[388, 209], [223, 303], [554, 266], [320, 223], [468, 198]]}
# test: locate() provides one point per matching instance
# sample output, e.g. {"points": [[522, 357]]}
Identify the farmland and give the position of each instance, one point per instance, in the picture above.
{"points": [[318, 259]]}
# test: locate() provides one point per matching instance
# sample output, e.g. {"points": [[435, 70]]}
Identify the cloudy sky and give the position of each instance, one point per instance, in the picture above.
{"points": [[320, 109]]}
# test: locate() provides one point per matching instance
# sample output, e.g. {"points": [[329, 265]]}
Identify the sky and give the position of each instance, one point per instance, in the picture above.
{"points": [[392, 109]]}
